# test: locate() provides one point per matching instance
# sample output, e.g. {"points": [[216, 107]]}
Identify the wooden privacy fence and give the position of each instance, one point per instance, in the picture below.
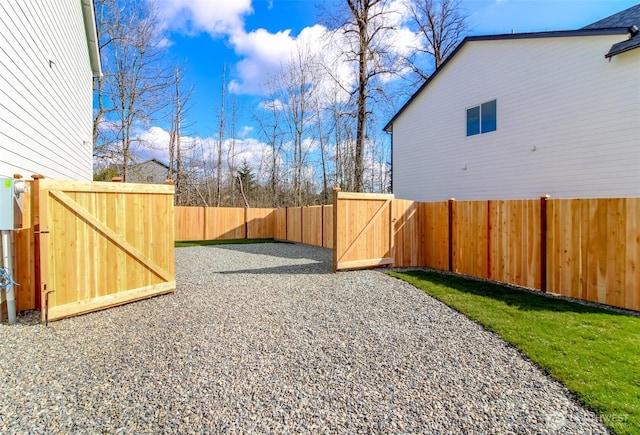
{"points": [[88, 246], [311, 225], [582, 248], [586, 249]]}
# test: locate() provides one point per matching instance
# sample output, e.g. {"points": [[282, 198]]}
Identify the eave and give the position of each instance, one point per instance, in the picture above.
{"points": [[511, 36], [91, 31]]}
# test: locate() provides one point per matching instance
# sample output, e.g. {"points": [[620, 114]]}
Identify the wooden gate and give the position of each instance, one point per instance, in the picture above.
{"points": [[102, 244], [362, 226]]}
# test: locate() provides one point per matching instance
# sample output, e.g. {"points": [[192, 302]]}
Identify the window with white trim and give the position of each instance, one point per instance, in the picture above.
{"points": [[482, 118]]}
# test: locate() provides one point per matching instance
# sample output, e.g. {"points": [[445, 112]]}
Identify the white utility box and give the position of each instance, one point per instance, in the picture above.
{"points": [[7, 195]]}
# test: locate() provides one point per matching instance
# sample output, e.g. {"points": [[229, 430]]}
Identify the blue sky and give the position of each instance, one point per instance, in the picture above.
{"points": [[253, 37]]}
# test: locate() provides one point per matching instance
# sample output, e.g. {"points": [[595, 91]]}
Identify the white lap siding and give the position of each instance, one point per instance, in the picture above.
{"points": [[45, 90], [568, 123]]}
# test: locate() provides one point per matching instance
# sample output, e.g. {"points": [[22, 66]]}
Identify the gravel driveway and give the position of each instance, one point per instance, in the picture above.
{"points": [[263, 338]]}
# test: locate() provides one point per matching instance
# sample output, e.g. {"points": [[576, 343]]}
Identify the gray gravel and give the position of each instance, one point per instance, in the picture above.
{"points": [[263, 338]]}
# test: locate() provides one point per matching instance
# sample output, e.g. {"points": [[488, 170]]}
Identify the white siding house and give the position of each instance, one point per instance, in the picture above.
{"points": [[567, 120], [48, 58]]}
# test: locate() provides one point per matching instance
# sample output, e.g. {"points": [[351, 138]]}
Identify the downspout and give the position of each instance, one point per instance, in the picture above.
{"points": [[390, 133]]}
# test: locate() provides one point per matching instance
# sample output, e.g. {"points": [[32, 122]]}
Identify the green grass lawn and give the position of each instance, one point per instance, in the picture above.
{"points": [[188, 244], [593, 351]]}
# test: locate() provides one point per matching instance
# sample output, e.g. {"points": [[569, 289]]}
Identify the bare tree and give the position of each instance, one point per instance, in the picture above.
{"points": [[299, 83], [232, 154], [106, 25], [340, 121], [135, 79], [367, 25], [322, 142], [441, 24], [220, 139], [269, 120], [177, 168]]}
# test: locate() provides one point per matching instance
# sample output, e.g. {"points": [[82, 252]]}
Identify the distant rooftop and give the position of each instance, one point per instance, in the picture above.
{"points": [[626, 18]]}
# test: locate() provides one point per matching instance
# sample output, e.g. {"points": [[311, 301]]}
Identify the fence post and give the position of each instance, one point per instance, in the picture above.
{"points": [[489, 239], [286, 223], [204, 223], [301, 224], [36, 283], [336, 192], [543, 242], [322, 225], [450, 236], [246, 223]]}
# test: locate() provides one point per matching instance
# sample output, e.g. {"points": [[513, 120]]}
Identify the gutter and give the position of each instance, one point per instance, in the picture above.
{"points": [[91, 31], [500, 37]]}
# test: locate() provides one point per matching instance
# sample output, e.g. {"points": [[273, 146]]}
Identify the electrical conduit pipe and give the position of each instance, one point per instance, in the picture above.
{"points": [[5, 280]]}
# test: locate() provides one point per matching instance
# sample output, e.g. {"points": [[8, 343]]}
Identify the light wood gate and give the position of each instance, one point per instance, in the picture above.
{"points": [[102, 244], [362, 230]]}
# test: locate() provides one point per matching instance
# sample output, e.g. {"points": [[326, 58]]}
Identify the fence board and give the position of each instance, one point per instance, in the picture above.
{"points": [[514, 242], [260, 223], [408, 233], [632, 254], [436, 234], [224, 223], [24, 257], [470, 238], [327, 232], [312, 226], [294, 224], [594, 249], [24, 266], [190, 223], [280, 224]]}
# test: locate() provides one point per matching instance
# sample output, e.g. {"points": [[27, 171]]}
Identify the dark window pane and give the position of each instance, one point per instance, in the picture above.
{"points": [[473, 121], [489, 121]]}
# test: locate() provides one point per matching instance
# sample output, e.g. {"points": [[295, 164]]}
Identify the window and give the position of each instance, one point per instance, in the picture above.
{"points": [[473, 121], [482, 118]]}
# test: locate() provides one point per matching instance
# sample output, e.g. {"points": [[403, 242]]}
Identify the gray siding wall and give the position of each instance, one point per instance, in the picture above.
{"points": [[148, 172], [45, 90]]}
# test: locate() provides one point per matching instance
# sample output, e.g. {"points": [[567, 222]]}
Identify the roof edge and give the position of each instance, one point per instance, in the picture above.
{"points": [[91, 31], [506, 36], [153, 160]]}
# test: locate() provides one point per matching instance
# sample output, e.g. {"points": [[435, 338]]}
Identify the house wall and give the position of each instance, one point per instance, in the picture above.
{"points": [[148, 172], [557, 96], [45, 107]]}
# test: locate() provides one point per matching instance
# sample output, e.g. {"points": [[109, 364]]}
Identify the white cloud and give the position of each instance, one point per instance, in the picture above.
{"points": [[152, 143], [272, 105], [244, 131], [309, 145], [216, 17], [263, 54]]}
